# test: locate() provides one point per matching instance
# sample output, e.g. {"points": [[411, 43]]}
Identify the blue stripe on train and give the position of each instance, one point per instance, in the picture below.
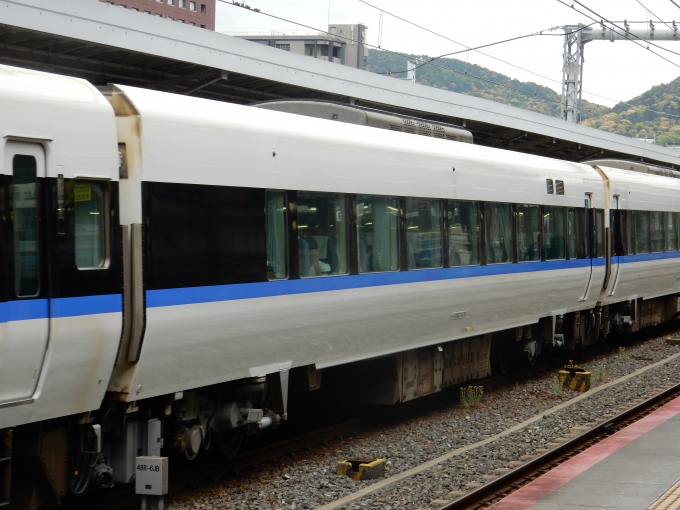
{"points": [[194, 295], [92, 305], [211, 294], [62, 307]]}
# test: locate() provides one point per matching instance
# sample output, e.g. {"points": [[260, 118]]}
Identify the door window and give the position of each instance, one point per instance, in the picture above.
{"points": [[24, 191], [89, 208]]}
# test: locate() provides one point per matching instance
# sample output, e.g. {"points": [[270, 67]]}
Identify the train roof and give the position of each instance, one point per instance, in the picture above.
{"points": [[283, 151], [67, 114]]}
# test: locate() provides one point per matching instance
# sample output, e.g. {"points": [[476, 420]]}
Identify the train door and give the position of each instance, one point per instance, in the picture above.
{"points": [[24, 324], [587, 235], [614, 245]]}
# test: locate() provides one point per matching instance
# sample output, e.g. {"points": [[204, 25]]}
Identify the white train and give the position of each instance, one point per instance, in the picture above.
{"points": [[167, 261]]}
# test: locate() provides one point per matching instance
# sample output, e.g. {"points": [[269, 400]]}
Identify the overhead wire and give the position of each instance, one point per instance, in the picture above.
{"points": [[650, 12], [678, 6]]}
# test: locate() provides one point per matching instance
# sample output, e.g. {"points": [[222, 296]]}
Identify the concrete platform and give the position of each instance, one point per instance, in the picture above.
{"points": [[635, 469]]}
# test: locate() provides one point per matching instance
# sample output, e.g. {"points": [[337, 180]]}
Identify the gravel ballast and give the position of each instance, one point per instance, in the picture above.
{"points": [[307, 479]]}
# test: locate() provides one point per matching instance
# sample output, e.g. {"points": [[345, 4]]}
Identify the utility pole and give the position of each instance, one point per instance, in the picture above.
{"points": [[575, 39]]}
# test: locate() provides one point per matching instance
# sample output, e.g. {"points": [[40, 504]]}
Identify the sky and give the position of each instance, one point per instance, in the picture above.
{"points": [[613, 72]]}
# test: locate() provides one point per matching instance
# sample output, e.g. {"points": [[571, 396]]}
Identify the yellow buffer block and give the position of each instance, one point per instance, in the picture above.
{"points": [[574, 379], [362, 469]]}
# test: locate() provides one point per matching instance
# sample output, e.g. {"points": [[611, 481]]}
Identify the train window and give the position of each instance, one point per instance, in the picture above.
{"points": [[463, 233], [377, 234], [553, 233], [656, 231], [581, 234], [627, 232], [222, 232], [277, 235], [641, 232], [322, 233], [423, 233], [571, 233], [26, 282], [598, 233], [498, 235], [671, 232], [528, 232], [89, 211]]}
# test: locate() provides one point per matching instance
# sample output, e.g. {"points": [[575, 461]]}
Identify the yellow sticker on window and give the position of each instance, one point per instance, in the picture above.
{"points": [[82, 192]]}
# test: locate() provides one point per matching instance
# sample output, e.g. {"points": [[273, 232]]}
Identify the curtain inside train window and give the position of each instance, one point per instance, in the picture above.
{"points": [[322, 234], [628, 232], [657, 231], [571, 233], [277, 238], [553, 233], [423, 233], [26, 281], [641, 232], [89, 224], [498, 225], [671, 232], [528, 233], [377, 234], [463, 233]]}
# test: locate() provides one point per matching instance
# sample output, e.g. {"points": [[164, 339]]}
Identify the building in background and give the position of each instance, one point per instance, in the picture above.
{"points": [[343, 44], [200, 13]]}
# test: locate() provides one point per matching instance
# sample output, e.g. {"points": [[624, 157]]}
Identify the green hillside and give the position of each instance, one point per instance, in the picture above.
{"points": [[656, 112], [478, 81]]}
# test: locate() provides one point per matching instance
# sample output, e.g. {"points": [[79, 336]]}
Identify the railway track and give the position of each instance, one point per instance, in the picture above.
{"points": [[507, 483]]}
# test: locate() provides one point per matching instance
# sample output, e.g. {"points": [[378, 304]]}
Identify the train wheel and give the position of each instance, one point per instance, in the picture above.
{"points": [[532, 349], [230, 442]]}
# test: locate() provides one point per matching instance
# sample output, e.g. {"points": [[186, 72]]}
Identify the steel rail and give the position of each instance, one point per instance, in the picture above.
{"points": [[512, 480]]}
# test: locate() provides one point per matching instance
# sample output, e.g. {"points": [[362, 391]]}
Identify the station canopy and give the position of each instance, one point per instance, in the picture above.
{"points": [[105, 44]]}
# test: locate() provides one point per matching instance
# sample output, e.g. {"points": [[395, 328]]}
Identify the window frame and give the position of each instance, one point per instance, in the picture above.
{"points": [[649, 234], [516, 233], [447, 234], [511, 250], [400, 242], [662, 230], [286, 236], [565, 248], [673, 215], [105, 183], [348, 226], [441, 231]]}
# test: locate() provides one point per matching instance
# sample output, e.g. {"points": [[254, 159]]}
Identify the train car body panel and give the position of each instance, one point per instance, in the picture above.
{"points": [[57, 345], [654, 273], [225, 332]]}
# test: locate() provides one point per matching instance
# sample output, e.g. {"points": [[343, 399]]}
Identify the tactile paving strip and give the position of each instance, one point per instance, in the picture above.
{"points": [[669, 501]]}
